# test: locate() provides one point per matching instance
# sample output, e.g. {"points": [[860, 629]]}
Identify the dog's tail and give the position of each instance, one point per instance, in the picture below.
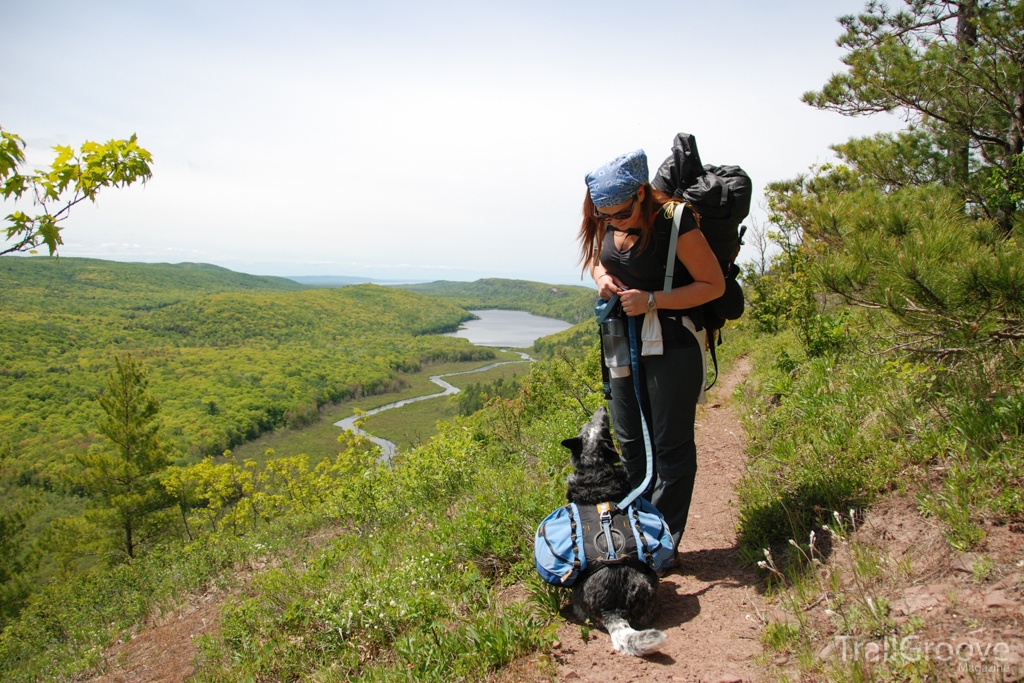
{"points": [[630, 642]]}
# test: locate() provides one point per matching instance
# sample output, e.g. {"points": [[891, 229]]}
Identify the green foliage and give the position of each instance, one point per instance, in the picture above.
{"points": [[934, 61], [17, 561], [72, 178], [65, 628], [473, 397], [834, 431], [409, 571], [229, 355], [121, 474], [908, 158], [564, 302], [574, 342], [226, 366], [825, 434], [83, 287], [950, 284], [924, 373]]}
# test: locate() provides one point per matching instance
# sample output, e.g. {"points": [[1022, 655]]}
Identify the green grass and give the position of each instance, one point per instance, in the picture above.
{"points": [[502, 371], [416, 423], [410, 425]]}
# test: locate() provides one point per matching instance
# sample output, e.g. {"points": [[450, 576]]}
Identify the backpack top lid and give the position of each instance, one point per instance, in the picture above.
{"points": [[682, 168]]}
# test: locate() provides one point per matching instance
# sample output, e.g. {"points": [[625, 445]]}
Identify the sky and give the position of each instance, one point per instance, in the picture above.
{"points": [[405, 140]]}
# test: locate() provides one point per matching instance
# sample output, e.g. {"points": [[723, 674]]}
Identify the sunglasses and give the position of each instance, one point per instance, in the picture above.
{"points": [[620, 216]]}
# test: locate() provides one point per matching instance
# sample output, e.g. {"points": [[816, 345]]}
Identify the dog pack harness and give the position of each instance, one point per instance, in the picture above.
{"points": [[575, 537]]}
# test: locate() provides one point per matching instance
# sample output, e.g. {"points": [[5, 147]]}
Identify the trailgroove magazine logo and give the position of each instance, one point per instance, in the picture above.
{"points": [[973, 656]]}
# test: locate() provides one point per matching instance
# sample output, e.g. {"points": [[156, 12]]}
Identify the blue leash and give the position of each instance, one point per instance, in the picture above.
{"points": [[634, 362], [603, 310]]}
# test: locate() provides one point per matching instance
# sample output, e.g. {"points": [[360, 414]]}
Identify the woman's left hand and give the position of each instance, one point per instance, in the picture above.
{"points": [[634, 301]]}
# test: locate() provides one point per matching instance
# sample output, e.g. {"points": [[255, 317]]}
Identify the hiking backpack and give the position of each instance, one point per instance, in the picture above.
{"points": [[720, 195], [575, 537]]}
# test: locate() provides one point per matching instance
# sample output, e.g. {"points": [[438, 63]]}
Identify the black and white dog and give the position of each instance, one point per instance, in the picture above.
{"points": [[616, 595]]}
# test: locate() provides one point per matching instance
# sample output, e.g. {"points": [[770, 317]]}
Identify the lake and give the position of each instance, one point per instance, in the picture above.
{"points": [[515, 329]]}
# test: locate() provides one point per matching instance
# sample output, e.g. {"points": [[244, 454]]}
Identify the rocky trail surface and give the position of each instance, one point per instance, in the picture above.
{"points": [[709, 608]]}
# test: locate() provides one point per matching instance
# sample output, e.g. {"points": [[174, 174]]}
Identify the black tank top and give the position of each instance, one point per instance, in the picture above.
{"points": [[645, 269]]}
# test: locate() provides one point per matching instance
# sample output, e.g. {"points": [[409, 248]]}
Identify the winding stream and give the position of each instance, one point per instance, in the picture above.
{"points": [[388, 449]]}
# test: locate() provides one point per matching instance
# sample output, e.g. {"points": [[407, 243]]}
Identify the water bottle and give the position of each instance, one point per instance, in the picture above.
{"points": [[615, 344]]}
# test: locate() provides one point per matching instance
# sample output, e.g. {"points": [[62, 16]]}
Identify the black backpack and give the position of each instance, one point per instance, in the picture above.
{"points": [[721, 196]]}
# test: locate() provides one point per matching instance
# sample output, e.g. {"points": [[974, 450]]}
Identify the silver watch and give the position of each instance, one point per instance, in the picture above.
{"points": [[650, 301]]}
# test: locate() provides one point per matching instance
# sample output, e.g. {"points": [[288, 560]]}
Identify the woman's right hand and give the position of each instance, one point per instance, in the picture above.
{"points": [[608, 285]]}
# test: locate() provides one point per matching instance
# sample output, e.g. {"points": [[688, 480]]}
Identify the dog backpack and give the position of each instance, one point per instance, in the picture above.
{"points": [[574, 537]]}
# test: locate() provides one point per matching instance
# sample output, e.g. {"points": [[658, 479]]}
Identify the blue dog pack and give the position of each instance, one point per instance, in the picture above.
{"points": [[575, 537]]}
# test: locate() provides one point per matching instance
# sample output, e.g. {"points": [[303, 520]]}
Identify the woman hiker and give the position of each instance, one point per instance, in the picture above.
{"points": [[624, 241]]}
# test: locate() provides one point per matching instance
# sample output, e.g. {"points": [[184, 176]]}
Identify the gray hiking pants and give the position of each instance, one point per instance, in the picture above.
{"points": [[669, 387]]}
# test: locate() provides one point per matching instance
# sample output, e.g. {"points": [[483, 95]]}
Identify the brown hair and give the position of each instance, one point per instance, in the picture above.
{"points": [[592, 231]]}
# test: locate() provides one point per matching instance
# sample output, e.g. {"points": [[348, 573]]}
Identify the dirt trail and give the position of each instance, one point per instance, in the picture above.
{"points": [[709, 607], [164, 650]]}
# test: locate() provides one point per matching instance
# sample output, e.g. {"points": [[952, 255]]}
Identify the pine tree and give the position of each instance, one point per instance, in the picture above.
{"points": [[955, 71], [123, 474], [18, 559]]}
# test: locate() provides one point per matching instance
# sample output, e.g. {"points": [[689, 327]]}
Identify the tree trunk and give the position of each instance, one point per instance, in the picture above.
{"points": [[966, 29], [966, 37]]}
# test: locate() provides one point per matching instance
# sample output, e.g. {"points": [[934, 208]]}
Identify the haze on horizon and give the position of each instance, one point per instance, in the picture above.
{"points": [[401, 140]]}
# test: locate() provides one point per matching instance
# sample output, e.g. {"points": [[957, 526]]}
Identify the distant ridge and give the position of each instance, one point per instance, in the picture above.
{"points": [[67, 283], [344, 280]]}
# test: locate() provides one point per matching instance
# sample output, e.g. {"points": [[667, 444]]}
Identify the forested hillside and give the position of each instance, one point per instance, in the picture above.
{"points": [[565, 302], [227, 355], [371, 564], [227, 366], [75, 284]]}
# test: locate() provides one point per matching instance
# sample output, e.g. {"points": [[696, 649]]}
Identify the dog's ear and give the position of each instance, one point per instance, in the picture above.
{"points": [[574, 444]]}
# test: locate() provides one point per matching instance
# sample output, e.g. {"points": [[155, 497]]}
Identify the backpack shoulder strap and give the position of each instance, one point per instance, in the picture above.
{"points": [[673, 240]]}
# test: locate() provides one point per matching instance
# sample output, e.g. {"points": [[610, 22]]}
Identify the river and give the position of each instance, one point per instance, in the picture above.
{"points": [[515, 329]]}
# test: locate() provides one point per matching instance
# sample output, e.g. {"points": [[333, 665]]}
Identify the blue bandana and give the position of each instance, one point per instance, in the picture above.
{"points": [[618, 180]]}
